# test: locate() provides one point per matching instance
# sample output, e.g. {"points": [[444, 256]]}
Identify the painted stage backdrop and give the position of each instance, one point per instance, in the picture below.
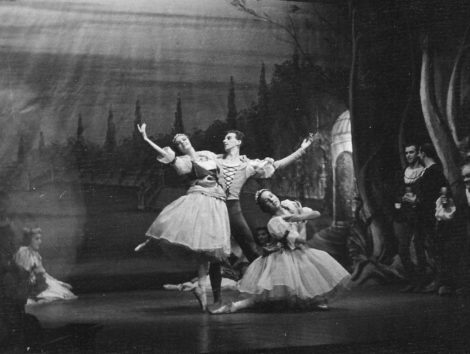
{"points": [[77, 77]]}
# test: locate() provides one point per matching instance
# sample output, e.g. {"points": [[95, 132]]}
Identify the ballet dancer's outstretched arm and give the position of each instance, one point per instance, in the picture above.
{"points": [[142, 129], [286, 161]]}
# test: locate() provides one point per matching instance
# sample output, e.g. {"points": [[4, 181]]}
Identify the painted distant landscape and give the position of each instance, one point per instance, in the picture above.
{"points": [[77, 78]]}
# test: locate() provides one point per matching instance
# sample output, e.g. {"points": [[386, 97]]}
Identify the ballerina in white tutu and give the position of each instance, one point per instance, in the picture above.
{"points": [[289, 273], [198, 220], [44, 287]]}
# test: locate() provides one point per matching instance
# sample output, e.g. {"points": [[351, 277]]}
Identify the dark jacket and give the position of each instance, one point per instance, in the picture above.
{"points": [[428, 190]]}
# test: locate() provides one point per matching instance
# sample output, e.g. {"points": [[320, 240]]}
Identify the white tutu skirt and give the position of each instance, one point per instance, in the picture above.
{"points": [[56, 290], [195, 221], [302, 274]]}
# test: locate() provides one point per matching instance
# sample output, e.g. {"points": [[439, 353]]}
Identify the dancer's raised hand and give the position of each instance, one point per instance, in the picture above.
{"points": [[307, 141], [142, 130]]}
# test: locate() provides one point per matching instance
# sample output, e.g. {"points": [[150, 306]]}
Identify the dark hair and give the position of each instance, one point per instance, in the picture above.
{"points": [[28, 234], [260, 228], [238, 134], [262, 205], [411, 143], [174, 145], [429, 150]]}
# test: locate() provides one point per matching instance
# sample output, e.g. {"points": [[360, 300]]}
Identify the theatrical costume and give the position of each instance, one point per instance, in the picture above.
{"points": [[45, 287], [405, 223], [232, 179], [198, 220], [295, 273], [437, 240]]}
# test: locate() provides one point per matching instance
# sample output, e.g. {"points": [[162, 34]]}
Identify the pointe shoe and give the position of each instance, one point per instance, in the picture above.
{"points": [[141, 245], [201, 297], [322, 307]]}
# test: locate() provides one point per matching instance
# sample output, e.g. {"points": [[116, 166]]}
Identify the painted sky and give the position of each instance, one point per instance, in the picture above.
{"points": [[62, 57]]}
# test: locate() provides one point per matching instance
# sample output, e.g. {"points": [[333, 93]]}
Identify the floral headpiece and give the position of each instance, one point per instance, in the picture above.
{"points": [[258, 194], [28, 231]]}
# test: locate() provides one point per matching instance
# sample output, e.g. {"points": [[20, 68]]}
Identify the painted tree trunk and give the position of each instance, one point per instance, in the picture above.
{"points": [[439, 132]]}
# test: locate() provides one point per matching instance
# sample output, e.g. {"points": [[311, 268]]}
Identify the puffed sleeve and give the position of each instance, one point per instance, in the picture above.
{"points": [[278, 228], [25, 259], [182, 164], [261, 168], [306, 210]]}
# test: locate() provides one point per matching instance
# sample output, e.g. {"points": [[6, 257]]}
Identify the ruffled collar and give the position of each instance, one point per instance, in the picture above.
{"points": [[411, 175]]}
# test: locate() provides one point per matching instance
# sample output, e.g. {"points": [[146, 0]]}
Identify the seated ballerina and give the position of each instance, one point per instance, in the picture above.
{"points": [[288, 273], [44, 288]]}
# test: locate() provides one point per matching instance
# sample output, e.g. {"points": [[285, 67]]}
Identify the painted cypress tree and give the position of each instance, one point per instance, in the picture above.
{"points": [[178, 126], [261, 124], [110, 142], [262, 92], [41, 144], [296, 59], [232, 109], [136, 136], [21, 150], [79, 128]]}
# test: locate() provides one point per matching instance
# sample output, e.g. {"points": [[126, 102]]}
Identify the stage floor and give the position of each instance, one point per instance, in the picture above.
{"points": [[378, 319]]}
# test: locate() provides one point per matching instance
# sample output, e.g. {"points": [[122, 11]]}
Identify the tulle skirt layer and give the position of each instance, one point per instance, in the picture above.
{"points": [[197, 222], [56, 290], [299, 275]]}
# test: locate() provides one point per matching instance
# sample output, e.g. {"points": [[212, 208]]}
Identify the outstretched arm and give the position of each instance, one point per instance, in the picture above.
{"points": [[296, 154], [142, 130]]}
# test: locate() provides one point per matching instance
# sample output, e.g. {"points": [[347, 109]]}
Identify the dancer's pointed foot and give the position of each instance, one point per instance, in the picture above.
{"points": [[141, 245], [201, 297], [214, 306], [322, 307], [178, 287], [221, 310], [321, 304]]}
